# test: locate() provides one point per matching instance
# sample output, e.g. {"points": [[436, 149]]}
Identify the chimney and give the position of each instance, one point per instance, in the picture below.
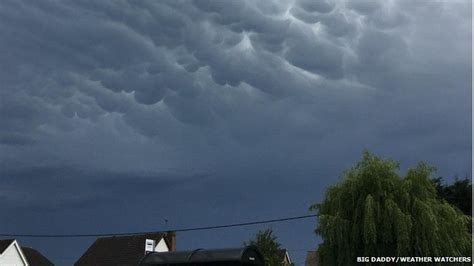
{"points": [[170, 239]]}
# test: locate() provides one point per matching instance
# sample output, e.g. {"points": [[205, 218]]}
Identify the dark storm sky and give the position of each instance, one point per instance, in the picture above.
{"points": [[118, 114]]}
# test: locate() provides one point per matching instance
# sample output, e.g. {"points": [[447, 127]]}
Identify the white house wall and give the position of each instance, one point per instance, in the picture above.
{"points": [[161, 246], [12, 256]]}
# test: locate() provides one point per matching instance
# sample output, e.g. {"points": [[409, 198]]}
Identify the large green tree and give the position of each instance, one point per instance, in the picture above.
{"points": [[267, 244], [375, 211], [458, 193]]}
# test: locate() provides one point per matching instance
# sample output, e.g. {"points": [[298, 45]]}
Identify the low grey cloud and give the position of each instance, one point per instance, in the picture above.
{"points": [[208, 77], [121, 93]]}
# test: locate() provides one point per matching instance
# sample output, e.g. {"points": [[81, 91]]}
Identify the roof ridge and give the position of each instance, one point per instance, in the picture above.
{"points": [[5, 243]]}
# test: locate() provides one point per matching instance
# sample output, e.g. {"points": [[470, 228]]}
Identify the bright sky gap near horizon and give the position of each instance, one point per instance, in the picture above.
{"points": [[116, 115]]}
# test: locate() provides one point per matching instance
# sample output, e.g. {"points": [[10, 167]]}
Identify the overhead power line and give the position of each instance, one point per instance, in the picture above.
{"points": [[148, 232]]}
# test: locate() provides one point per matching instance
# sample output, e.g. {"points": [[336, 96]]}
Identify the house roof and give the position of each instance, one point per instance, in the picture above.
{"points": [[35, 258], [312, 258], [118, 251], [4, 244], [283, 254]]}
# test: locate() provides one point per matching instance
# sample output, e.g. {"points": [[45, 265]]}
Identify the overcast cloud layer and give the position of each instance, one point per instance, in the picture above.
{"points": [[219, 106]]}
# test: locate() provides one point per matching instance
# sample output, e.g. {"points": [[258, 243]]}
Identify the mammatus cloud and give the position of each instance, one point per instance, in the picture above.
{"points": [[213, 78], [168, 91]]}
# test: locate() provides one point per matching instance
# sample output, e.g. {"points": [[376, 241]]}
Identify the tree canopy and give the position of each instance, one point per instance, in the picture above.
{"points": [[375, 211], [458, 194], [267, 244]]}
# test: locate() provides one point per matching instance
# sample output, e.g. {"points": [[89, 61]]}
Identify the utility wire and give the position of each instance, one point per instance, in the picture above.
{"points": [[149, 232]]}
